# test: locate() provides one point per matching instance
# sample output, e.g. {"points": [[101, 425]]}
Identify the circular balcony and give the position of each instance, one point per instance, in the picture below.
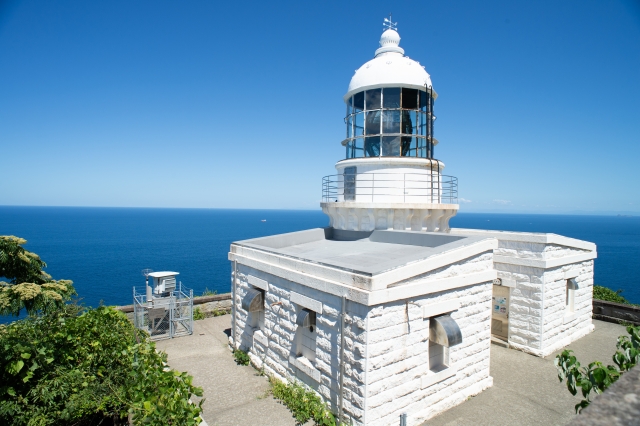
{"points": [[415, 188]]}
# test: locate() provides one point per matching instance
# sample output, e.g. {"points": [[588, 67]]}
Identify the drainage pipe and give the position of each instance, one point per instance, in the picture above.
{"points": [[233, 303], [341, 380]]}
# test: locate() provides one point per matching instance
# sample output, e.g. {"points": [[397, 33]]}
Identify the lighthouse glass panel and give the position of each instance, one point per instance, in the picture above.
{"points": [[390, 122]]}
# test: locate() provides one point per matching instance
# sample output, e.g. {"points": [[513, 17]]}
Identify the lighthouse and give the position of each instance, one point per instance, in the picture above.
{"points": [[388, 314], [389, 177]]}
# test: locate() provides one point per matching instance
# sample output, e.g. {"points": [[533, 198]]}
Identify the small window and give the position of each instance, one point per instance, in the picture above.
{"points": [[438, 357], [358, 102], [391, 98], [372, 126], [570, 297], [409, 98], [408, 122], [423, 101], [359, 124], [391, 146], [409, 146], [391, 121], [373, 99], [422, 148], [422, 124], [443, 333], [372, 146], [253, 303], [306, 334]]}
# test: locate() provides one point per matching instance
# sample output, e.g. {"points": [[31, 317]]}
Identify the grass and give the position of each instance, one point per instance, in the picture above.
{"points": [[304, 404], [199, 314], [208, 292]]}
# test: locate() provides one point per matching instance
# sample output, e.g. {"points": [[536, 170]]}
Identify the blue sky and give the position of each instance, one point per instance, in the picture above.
{"points": [[239, 104]]}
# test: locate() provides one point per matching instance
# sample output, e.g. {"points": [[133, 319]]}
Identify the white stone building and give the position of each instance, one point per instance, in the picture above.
{"points": [[388, 312]]}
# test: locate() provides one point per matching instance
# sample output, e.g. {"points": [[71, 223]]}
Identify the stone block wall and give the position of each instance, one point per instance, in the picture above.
{"points": [[398, 374], [275, 347], [538, 319], [525, 305], [560, 326], [386, 346]]}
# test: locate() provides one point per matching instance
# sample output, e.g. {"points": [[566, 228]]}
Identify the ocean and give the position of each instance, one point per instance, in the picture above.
{"points": [[103, 250]]}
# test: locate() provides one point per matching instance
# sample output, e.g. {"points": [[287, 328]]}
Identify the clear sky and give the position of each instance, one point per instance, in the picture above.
{"points": [[239, 104]]}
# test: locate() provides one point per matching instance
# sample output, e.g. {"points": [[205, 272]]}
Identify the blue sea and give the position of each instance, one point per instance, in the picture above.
{"points": [[103, 250]]}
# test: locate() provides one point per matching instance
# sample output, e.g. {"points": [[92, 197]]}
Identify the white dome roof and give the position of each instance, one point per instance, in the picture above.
{"points": [[389, 68]]}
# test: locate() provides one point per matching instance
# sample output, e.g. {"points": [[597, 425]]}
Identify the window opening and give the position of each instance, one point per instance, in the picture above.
{"points": [[443, 333], [410, 98], [374, 99], [372, 125], [570, 299], [306, 321], [385, 112], [372, 146], [391, 98]]}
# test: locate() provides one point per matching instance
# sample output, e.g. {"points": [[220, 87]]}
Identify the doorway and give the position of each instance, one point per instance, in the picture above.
{"points": [[500, 312]]}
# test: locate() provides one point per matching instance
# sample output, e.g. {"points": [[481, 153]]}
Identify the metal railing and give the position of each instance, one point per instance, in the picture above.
{"points": [[164, 316], [431, 188]]}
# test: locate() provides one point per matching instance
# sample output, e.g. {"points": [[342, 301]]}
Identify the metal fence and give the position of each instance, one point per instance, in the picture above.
{"points": [[164, 316], [431, 188]]}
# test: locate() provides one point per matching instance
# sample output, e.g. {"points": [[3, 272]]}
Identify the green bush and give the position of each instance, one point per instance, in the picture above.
{"points": [[198, 314], [63, 368], [597, 376], [304, 404], [608, 295], [241, 357]]}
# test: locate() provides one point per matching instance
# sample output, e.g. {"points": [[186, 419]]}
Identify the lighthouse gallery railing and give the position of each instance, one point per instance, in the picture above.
{"points": [[431, 188]]}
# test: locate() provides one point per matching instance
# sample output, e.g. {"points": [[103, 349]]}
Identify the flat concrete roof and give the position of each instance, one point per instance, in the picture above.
{"points": [[368, 253]]}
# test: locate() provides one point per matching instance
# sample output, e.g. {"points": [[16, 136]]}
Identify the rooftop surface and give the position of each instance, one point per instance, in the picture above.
{"points": [[367, 253]]}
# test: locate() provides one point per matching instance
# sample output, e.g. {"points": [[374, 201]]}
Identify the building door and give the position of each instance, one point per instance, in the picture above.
{"points": [[500, 312]]}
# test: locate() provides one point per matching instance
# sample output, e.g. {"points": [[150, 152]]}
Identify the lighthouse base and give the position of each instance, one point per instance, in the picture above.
{"points": [[399, 216]]}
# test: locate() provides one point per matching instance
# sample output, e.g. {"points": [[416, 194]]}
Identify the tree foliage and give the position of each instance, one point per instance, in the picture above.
{"points": [[597, 377], [61, 368], [29, 286], [606, 294]]}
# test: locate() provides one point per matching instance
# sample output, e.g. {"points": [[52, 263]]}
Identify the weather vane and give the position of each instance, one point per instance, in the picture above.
{"points": [[387, 24]]}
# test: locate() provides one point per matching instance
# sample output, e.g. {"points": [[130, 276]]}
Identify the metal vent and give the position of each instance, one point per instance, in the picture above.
{"points": [[169, 284], [306, 318], [252, 301], [444, 331]]}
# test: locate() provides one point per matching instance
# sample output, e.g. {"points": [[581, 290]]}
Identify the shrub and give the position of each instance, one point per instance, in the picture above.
{"points": [[241, 357], [198, 314], [304, 404], [62, 368], [608, 295], [596, 376]]}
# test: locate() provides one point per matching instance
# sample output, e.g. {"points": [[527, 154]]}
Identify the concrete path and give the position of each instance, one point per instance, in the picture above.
{"points": [[525, 389], [234, 394]]}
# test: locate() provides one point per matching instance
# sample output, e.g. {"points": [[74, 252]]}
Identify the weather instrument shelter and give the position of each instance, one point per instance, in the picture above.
{"points": [[165, 309]]}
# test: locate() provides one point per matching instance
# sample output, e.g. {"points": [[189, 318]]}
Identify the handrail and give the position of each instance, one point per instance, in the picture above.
{"points": [[390, 187]]}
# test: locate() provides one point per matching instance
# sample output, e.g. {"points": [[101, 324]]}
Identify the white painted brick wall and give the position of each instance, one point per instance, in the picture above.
{"points": [[386, 346]]}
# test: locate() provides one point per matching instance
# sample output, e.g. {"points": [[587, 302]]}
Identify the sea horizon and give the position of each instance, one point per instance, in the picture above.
{"points": [[103, 249]]}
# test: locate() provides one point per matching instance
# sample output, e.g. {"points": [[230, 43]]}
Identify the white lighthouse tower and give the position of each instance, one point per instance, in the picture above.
{"points": [[390, 178]]}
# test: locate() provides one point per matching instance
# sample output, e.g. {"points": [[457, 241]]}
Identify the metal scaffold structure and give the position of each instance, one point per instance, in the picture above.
{"points": [[165, 310]]}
